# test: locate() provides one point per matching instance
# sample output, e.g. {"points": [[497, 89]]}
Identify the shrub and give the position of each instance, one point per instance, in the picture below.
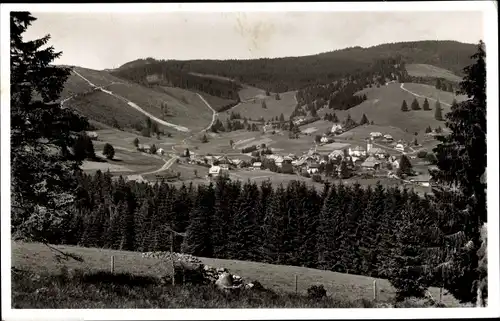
{"points": [[316, 292], [249, 149], [317, 178], [422, 154], [108, 151]]}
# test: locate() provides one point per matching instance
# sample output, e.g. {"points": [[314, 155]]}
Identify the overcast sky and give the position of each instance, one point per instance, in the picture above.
{"points": [[105, 40]]}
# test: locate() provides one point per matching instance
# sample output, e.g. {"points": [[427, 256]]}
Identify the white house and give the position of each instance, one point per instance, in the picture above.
{"points": [[335, 154], [92, 135], [377, 152], [357, 151], [160, 151], [278, 161], [375, 134], [400, 147], [371, 163], [214, 171], [388, 137], [313, 168], [336, 128], [144, 148], [324, 140], [257, 165]]}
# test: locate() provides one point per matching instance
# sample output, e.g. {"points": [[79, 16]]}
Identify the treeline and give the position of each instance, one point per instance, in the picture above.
{"points": [[232, 125], [341, 228], [158, 73], [342, 94], [440, 83], [292, 73]]}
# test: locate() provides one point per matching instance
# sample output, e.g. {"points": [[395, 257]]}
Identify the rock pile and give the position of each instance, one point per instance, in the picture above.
{"points": [[188, 258]]}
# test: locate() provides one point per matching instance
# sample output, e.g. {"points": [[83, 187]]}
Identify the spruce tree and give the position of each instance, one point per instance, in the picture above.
{"points": [[41, 136], [404, 106], [364, 120], [274, 227], [438, 112], [198, 240], [405, 166], [415, 105], [426, 105], [461, 159]]}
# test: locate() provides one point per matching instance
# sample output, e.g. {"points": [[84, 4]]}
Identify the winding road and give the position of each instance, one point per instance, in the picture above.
{"points": [[172, 160], [422, 96], [133, 105]]}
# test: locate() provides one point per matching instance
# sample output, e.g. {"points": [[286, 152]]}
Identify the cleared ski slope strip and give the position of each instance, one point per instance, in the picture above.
{"points": [[135, 106]]}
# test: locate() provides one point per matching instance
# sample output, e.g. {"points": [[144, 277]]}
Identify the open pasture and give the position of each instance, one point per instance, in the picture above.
{"points": [[253, 108], [425, 70]]}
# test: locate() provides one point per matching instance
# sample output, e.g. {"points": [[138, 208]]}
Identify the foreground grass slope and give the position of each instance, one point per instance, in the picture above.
{"points": [[340, 287]]}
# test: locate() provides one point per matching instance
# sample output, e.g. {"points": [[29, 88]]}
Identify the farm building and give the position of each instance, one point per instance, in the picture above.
{"points": [[371, 163], [257, 165], [324, 140], [92, 135], [237, 162], [313, 168], [400, 147], [160, 151], [336, 128], [336, 154], [135, 178], [214, 171], [144, 148], [357, 151], [388, 137], [377, 152], [375, 134]]}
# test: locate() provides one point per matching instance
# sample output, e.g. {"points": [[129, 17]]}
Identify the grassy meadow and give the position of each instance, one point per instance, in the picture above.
{"points": [[38, 283]]}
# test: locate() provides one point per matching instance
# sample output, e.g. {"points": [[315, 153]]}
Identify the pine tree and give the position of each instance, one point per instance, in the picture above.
{"points": [[404, 106], [264, 105], [41, 135], [245, 223], [407, 257], [274, 227], [198, 240], [415, 105], [461, 159], [438, 112], [364, 120], [334, 118], [426, 105], [405, 167]]}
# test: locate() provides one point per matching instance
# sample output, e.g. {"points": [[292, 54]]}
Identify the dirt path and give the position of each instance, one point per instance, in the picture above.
{"points": [[421, 96], [214, 113], [133, 105]]}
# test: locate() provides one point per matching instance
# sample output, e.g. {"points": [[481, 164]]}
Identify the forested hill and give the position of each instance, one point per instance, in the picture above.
{"points": [[291, 73], [150, 72]]}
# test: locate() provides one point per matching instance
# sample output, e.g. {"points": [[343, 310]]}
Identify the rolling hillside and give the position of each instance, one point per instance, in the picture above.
{"points": [[252, 108], [124, 104], [383, 106]]}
